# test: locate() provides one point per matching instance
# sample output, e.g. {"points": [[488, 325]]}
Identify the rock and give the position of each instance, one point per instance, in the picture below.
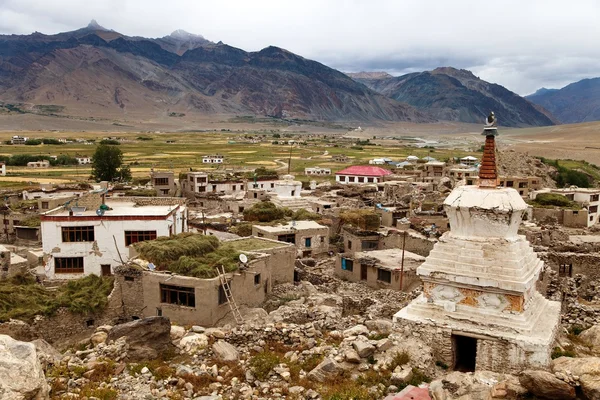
{"points": [[98, 337], [364, 349], [21, 374], [147, 337], [47, 354], [18, 330], [384, 345], [198, 329], [327, 369], [214, 332], [225, 351], [401, 375], [356, 330], [592, 337], [193, 342], [104, 328], [380, 325], [352, 357], [586, 368], [545, 385], [296, 390], [177, 332]]}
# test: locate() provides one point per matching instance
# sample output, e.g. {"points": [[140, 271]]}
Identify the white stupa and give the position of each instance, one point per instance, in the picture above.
{"points": [[480, 308]]}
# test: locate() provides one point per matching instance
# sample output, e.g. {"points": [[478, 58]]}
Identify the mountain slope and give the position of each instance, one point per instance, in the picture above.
{"points": [[97, 72], [577, 102], [458, 95]]}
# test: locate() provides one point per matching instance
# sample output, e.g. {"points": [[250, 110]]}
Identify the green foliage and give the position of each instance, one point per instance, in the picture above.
{"points": [[263, 173], [262, 364], [442, 365], [554, 200], [303, 215], [141, 192], [33, 142], [106, 163], [568, 176], [400, 358], [189, 254], [576, 329], [265, 211], [558, 352], [276, 135], [22, 298], [144, 138], [31, 221], [52, 141], [64, 159], [113, 142], [242, 229]]}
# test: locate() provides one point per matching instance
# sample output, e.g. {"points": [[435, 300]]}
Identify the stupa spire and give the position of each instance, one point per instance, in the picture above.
{"points": [[488, 174]]}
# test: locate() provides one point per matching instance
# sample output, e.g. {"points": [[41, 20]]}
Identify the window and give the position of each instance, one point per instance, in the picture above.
{"points": [[594, 197], [593, 209], [290, 238], [322, 239], [384, 275], [77, 233], [272, 185], [369, 244], [214, 188], [349, 245], [241, 209], [234, 188], [347, 264], [241, 187], [370, 180], [180, 295], [106, 271], [307, 242], [201, 188], [129, 279], [44, 205], [350, 179], [522, 185], [222, 295], [68, 265], [161, 181], [165, 191], [132, 237], [509, 183], [565, 270], [260, 234], [257, 279], [361, 179]]}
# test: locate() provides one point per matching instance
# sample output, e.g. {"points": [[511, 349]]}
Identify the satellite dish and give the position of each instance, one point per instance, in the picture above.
{"points": [[151, 267], [243, 258], [100, 212]]}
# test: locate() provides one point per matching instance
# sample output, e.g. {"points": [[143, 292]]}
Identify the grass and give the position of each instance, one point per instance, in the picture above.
{"points": [[251, 244], [567, 352], [263, 363], [552, 200], [189, 254], [22, 298]]}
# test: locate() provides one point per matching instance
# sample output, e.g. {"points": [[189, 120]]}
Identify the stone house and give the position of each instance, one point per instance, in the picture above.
{"points": [[587, 198], [195, 301], [317, 171], [93, 234], [212, 159], [2, 168], [380, 269], [38, 164], [164, 183], [524, 185], [309, 237], [358, 174], [83, 160], [201, 183]]}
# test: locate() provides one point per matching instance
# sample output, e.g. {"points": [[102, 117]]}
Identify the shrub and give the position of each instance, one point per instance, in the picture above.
{"points": [[303, 214], [141, 192], [265, 211], [33, 142], [554, 199], [558, 352], [263, 363], [363, 219], [399, 359], [113, 142]]}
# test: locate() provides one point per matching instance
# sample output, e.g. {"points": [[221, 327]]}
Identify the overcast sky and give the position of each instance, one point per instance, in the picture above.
{"points": [[521, 44]]}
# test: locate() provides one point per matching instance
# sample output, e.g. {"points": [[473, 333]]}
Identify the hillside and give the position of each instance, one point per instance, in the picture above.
{"points": [[577, 102], [458, 95], [96, 72]]}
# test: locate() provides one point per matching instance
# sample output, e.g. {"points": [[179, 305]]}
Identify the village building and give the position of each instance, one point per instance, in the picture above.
{"points": [[340, 158], [434, 170], [309, 237], [469, 161], [588, 199], [412, 159], [164, 183], [361, 174], [18, 140], [2, 168], [189, 300], [392, 216], [38, 164], [92, 234], [380, 161], [10, 263], [212, 159], [320, 206], [317, 171], [204, 183], [268, 184], [523, 185], [55, 199], [480, 308], [458, 173], [83, 160], [381, 269]]}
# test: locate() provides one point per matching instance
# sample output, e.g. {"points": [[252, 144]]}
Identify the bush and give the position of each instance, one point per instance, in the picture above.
{"points": [[113, 142], [242, 229], [567, 352], [141, 192], [303, 215], [364, 219], [51, 141], [33, 142], [554, 199], [265, 211], [263, 363]]}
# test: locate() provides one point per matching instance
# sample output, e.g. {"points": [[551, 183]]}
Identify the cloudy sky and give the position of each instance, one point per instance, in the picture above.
{"points": [[521, 44]]}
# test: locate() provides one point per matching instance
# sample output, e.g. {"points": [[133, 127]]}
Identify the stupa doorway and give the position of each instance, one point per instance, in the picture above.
{"points": [[464, 349]]}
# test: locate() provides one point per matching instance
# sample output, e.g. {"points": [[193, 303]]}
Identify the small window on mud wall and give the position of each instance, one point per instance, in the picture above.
{"points": [[179, 295], [384, 275], [347, 264], [257, 279], [565, 270], [222, 295]]}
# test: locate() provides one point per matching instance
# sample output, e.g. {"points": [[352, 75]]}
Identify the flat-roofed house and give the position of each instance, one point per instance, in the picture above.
{"points": [[360, 174]]}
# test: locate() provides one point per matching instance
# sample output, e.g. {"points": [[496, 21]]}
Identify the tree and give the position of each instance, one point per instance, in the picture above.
{"points": [[106, 163]]}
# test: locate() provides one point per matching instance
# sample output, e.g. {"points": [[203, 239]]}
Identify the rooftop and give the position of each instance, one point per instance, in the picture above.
{"points": [[254, 244], [391, 258], [118, 208], [297, 225], [364, 170]]}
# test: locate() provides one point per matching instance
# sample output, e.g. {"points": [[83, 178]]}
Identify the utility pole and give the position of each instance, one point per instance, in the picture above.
{"points": [[402, 262], [290, 157]]}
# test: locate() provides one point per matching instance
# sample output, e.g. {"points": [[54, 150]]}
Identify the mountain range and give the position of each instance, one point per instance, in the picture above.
{"points": [[95, 71], [577, 102], [98, 72], [457, 95]]}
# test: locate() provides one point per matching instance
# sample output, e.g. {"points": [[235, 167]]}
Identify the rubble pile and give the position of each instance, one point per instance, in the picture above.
{"points": [[512, 163]]}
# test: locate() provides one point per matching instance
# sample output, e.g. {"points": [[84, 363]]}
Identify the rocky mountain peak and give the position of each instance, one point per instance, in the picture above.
{"points": [[184, 35], [369, 75], [96, 26]]}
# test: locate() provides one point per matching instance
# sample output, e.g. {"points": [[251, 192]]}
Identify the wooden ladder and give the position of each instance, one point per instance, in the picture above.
{"points": [[230, 300]]}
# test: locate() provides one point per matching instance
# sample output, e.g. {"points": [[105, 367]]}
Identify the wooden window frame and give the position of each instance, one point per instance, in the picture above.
{"points": [[383, 273], [161, 181], [68, 265], [132, 237], [178, 295], [75, 234]]}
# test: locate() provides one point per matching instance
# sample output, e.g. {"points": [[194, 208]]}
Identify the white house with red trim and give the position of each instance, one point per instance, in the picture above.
{"points": [[359, 174], [91, 235]]}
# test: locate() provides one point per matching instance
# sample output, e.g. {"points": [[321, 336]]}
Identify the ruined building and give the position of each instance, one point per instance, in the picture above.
{"points": [[479, 306]]}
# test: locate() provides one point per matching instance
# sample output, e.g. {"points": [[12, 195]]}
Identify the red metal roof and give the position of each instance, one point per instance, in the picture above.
{"points": [[364, 170], [411, 393]]}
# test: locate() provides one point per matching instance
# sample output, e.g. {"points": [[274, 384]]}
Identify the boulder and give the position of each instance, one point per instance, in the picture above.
{"points": [[216, 333], [327, 369], [147, 337], [545, 385], [47, 354], [401, 375], [591, 336], [177, 332], [383, 326], [364, 349], [98, 337], [356, 330], [192, 342], [586, 368], [18, 330], [21, 374], [225, 351], [352, 356]]}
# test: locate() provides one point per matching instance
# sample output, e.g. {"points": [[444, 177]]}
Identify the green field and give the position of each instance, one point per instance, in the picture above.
{"points": [[187, 149]]}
